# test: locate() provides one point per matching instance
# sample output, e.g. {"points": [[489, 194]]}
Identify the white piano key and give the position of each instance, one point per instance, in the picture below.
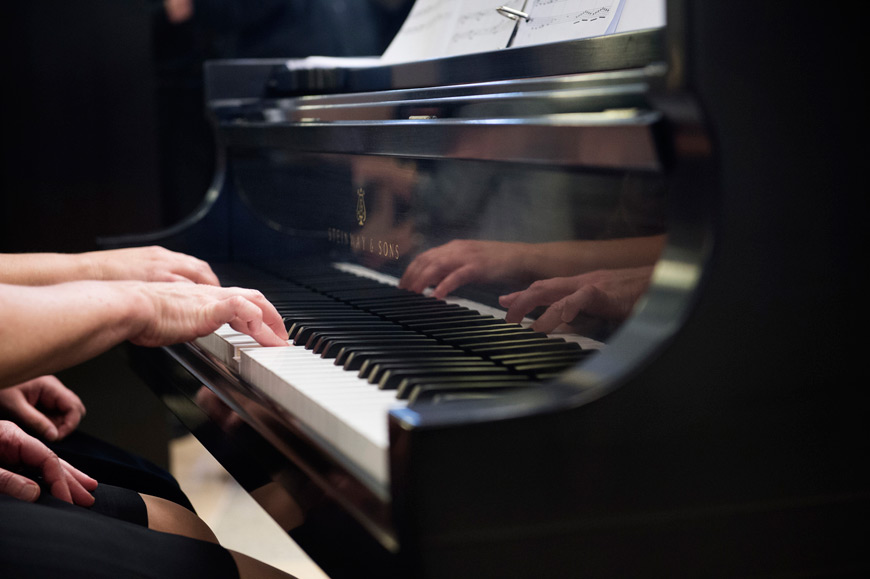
{"points": [[344, 411], [334, 405]]}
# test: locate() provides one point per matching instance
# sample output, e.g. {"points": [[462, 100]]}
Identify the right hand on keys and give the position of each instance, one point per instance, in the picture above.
{"points": [[182, 312]]}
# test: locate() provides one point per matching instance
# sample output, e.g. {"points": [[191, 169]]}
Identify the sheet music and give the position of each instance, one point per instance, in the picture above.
{"points": [[436, 28], [556, 20]]}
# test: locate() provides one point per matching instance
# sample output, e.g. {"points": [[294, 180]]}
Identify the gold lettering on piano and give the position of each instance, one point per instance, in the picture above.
{"points": [[361, 206], [364, 244]]}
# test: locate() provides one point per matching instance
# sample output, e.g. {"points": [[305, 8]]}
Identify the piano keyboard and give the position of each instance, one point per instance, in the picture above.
{"points": [[360, 347]]}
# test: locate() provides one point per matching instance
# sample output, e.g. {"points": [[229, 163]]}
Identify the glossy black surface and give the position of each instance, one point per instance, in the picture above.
{"points": [[719, 430]]}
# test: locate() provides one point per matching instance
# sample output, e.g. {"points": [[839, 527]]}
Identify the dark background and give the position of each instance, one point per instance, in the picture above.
{"points": [[103, 133], [80, 159]]}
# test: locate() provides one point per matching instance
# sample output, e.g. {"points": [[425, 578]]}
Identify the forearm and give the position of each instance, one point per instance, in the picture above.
{"points": [[47, 329], [45, 268], [567, 258]]}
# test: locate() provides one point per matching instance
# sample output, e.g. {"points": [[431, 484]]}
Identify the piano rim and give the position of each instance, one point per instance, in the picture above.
{"points": [[370, 507]]}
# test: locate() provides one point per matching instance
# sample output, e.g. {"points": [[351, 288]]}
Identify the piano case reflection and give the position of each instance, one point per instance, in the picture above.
{"points": [[708, 433]]}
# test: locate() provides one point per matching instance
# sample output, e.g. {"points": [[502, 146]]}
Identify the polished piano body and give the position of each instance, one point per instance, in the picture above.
{"points": [[713, 432]]}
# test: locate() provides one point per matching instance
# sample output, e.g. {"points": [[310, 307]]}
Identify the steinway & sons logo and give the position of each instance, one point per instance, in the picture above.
{"points": [[363, 243], [361, 206]]}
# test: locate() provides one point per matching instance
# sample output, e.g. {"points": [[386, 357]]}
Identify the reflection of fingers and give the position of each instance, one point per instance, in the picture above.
{"points": [[413, 273], [528, 300], [549, 320], [506, 301], [430, 276], [453, 281], [588, 300]]}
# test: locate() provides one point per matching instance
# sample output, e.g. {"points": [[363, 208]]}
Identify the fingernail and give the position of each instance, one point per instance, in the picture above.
{"points": [[29, 492]]}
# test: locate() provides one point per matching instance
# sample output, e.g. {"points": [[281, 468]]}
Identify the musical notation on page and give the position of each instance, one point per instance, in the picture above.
{"points": [[437, 28], [557, 20]]}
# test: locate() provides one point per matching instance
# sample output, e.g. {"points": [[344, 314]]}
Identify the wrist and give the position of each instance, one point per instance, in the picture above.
{"points": [[88, 266]]}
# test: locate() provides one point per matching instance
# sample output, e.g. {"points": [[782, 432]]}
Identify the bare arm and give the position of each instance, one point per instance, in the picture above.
{"points": [[48, 328], [139, 263]]}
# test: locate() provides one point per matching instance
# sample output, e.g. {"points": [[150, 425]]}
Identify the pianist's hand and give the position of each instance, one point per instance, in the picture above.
{"points": [[27, 459], [148, 264], [43, 406], [463, 261], [179, 312], [605, 295]]}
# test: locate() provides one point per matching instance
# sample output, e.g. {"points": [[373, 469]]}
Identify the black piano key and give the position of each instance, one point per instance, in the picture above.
{"points": [[383, 370], [396, 301], [391, 379], [353, 358], [300, 332], [406, 386], [512, 358], [333, 348], [393, 309], [436, 319], [479, 339], [358, 294], [416, 357], [291, 320], [522, 346], [321, 341], [325, 337], [482, 330], [437, 324]]}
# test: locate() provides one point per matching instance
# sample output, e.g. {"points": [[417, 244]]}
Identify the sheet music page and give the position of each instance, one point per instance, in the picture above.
{"points": [[556, 20], [436, 28], [641, 14]]}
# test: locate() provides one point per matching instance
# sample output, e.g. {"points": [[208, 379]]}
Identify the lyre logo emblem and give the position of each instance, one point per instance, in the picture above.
{"points": [[361, 206]]}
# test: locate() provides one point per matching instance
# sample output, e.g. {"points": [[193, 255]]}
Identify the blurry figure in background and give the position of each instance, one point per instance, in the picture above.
{"points": [[293, 28]]}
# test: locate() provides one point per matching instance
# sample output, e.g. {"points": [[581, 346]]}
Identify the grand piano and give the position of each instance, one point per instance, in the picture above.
{"points": [[717, 430]]}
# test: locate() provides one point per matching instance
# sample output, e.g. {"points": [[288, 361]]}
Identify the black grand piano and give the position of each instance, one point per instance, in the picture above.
{"points": [[718, 430]]}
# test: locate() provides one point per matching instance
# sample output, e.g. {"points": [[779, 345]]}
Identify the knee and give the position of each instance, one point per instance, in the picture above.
{"points": [[169, 517]]}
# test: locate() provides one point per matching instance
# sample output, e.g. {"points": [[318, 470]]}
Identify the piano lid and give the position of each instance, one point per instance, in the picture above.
{"points": [[450, 42]]}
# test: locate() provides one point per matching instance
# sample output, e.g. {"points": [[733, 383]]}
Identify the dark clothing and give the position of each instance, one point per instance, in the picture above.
{"points": [[111, 539], [51, 539], [114, 466]]}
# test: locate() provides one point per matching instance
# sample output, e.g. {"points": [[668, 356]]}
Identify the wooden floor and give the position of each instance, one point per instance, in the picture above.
{"points": [[238, 521]]}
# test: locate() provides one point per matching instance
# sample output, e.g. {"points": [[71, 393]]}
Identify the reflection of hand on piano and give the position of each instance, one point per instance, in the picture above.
{"points": [[460, 262], [601, 295]]}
